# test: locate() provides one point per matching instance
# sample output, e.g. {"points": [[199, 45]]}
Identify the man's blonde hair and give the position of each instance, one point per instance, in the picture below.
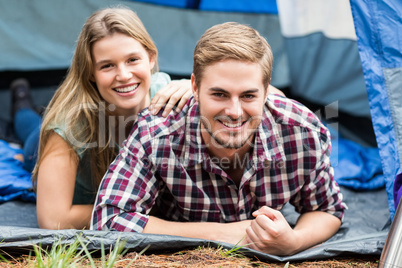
{"points": [[234, 41]]}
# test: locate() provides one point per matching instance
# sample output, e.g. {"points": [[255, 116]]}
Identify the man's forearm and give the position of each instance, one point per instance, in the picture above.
{"points": [[224, 232], [316, 227]]}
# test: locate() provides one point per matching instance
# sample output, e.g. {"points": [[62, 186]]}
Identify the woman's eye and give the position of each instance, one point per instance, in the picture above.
{"points": [[133, 59], [106, 66]]}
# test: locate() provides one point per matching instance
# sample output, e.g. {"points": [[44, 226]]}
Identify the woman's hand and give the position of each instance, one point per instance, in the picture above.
{"points": [[176, 92], [274, 90]]}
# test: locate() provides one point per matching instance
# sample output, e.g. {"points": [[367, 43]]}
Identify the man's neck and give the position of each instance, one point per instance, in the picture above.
{"points": [[232, 161]]}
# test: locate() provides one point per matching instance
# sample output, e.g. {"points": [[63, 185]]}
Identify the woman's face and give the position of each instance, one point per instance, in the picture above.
{"points": [[122, 73]]}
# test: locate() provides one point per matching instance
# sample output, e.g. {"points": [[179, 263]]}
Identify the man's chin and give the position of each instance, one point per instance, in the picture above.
{"points": [[232, 145]]}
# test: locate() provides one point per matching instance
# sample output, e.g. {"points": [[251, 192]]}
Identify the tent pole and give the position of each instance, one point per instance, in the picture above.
{"points": [[391, 254]]}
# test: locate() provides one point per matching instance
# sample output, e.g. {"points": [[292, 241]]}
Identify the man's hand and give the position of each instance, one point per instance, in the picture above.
{"points": [[270, 233]]}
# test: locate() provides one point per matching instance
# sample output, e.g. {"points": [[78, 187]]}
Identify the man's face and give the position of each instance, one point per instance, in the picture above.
{"points": [[231, 98]]}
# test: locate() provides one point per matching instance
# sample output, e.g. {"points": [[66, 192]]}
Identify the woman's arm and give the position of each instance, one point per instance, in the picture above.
{"points": [[274, 90], [55, 188]]}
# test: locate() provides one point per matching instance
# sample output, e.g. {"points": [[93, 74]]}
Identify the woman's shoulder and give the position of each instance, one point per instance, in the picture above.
{"points": [[158, 81], [61, 130]]}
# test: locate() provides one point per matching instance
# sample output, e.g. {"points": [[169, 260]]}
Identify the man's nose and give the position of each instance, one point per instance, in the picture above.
{"points": [[234, 109]]}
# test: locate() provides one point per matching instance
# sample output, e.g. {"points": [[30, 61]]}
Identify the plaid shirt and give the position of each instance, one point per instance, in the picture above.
{"points": [[164, 163]]}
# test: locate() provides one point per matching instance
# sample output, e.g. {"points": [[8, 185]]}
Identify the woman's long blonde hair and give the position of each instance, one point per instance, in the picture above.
{"points": [[77, 104]]}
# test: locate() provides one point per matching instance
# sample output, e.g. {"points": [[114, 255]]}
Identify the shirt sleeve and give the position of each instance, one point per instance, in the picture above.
{"points": [[158, 81], [60, 130], [320, 191], [128, 189]]}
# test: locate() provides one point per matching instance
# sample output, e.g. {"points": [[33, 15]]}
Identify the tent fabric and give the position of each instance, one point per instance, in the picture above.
{"points": [[243, 6], [362, 76], [363, 232], [173, 3], [379, 28], [322, 52], [175, 31], [333, 18]]}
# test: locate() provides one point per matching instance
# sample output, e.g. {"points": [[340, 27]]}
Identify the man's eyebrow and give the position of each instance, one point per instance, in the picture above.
{"points": [[221, 90], [218, 89], [253, 90]]}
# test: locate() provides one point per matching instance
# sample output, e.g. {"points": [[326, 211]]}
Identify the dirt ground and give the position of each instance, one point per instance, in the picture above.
{"points": [[210, 257], [204, 258]]}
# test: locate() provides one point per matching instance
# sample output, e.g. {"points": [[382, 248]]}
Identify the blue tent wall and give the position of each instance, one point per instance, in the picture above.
{"points": [[243, 6], [378, 27]]}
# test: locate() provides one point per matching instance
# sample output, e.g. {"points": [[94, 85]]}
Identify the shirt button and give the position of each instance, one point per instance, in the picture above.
{"points": [[241, 211]]}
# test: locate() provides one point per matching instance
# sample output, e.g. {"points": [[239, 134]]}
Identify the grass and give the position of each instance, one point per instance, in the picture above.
{"points": [[62, 255], [77, 255]]}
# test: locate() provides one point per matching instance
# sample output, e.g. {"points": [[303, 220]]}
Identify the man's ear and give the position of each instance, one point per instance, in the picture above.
{"points": [[194, 87]]}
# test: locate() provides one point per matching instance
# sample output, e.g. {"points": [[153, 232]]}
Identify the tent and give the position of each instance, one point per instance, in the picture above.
{"points": [[380, 48], [341, 58]]}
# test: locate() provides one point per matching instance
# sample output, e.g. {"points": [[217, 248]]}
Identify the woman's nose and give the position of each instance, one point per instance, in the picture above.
{"points": [[123, 73]]}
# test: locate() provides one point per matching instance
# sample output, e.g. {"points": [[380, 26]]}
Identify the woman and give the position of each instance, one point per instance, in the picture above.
{"points": [[92, 112]]}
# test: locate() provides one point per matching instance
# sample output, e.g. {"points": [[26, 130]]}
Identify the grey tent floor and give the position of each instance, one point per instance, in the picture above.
{"points": [[363, 232]]}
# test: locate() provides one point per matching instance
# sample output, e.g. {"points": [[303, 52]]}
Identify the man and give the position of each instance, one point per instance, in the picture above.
{"points": [[223, 167]]}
